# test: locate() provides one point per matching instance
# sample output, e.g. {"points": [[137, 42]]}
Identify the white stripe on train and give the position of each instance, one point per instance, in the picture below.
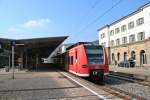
{"points": [[82, 75]]}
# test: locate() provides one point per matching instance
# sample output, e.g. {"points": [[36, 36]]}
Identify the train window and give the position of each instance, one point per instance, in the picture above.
{"points": [[95, 54], [76, 54], [68, 60], [71, 60]]}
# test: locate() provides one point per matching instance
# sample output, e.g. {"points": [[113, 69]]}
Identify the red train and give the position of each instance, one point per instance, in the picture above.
{"points": [[85, 60]]}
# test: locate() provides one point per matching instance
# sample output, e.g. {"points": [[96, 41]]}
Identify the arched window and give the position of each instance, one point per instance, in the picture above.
{"points": [[113, 57], [143, 59], [118, 56], [125, 55], [133, 56]]}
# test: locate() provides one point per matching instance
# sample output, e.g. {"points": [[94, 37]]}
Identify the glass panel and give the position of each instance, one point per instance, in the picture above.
{"points": [[94, 54]]}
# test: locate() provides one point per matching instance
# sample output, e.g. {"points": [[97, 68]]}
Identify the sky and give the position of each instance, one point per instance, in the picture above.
{"points": [[78, 19]]}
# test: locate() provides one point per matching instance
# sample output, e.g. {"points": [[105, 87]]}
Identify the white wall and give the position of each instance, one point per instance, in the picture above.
{"points": [[106, 38], [142, 28]]}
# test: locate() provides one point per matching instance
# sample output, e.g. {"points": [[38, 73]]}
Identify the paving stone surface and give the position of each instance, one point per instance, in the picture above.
{"points": [[41, 86]]}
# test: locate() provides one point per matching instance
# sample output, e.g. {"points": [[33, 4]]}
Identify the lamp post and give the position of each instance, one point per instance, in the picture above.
{"points": [[13, 76], [9, 62], [13, 43]]}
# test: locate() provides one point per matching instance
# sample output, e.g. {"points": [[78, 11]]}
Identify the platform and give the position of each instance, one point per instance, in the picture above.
{"points": [[137, 72], [41, 85]]}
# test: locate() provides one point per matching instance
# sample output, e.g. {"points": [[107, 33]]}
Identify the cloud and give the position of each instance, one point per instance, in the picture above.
{"points": [[31, 26], [41, 23]]}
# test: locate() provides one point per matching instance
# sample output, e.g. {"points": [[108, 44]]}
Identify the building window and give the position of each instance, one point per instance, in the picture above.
{"points": [[131, 25], [124, 40], [123, 28], [111, 32], [118, 56], [117, 41], [131, 38], [117, 30], [113, 57], [102, 35], [103, 43], [112, 42], [140, 21], [133, 56], [141, 36], [143, 59], [125, 56], [76, 54]]}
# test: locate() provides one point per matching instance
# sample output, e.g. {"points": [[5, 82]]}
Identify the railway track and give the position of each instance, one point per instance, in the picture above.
{"points": [[130, 86], [128, 95], [130, 79], [109, 89], [119, 92]]}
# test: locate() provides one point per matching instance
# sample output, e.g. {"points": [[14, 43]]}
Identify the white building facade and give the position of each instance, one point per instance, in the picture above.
{"points": [[122, 35]]}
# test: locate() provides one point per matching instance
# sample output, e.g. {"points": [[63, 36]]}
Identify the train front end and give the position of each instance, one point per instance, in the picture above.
{"points": [[97, 62]]}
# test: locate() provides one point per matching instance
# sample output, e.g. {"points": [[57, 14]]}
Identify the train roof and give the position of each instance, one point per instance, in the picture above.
{"points": [[79, 43], [74, 45]]}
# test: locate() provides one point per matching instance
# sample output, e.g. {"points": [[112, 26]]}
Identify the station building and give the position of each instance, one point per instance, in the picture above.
{"points": [[128, 37]]}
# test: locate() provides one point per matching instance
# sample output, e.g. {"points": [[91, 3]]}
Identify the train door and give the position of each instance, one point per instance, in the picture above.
{"points": [[76, 61], [71, 61]]}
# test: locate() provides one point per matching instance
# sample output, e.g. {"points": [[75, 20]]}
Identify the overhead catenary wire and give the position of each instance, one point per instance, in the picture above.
{"points": [[88, 12], [98, 18]]}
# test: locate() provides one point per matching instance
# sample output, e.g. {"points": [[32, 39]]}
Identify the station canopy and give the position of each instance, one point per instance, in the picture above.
{"points": [[41, 46]]}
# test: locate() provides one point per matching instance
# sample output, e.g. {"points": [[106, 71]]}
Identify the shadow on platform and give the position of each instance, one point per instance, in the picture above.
{"points": [[44, 68]]}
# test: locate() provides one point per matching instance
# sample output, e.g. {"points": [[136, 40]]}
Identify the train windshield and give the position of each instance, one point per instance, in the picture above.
{"points": [[95, 54]]}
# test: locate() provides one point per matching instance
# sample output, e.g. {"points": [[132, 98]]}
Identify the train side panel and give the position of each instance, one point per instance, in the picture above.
{"points": [[82, 62], [71, 60], [79, 60]]}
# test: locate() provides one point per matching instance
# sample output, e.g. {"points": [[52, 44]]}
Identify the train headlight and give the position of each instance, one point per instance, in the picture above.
{"points": [[94, 72]]}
